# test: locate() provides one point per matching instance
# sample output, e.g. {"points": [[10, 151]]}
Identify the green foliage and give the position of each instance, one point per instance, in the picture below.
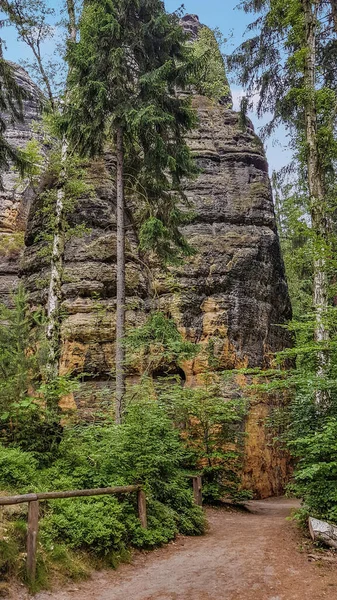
{"points": [[93, 523], [211, 430], [209, 77], [72, 177], [316, 473], [307, 425], [18, 469], [289, 62], [19, 337], [155, 236], [158, 343], [124, 74], [271, 65], [297, 242], [146, 449], [33, 155], [210, 427], [25, 421], [11, 99]]}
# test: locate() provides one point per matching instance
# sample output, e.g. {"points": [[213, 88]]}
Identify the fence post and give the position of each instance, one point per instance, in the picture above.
{"points": [[142, 508], [33, 528], [197, 490]]}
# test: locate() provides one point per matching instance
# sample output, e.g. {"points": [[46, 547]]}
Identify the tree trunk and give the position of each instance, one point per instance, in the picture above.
{"points": [[316, 190], [55, 284], [44, 75], [334, 13], [120, 309], [72, 26], [321, 531]]}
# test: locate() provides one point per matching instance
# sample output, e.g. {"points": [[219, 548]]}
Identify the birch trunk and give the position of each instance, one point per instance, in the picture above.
{"points": [[120, 309], [55, 284], [316, 188], [334, 13], [321, 531], [72, 25]]}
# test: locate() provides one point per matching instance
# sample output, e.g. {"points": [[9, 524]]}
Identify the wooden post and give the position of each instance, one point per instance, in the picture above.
{"points": [[197, 490], [33, 528], [142, 508]]}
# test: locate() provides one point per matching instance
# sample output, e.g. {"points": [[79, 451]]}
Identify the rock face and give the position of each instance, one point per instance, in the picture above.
{"points": [[16, 198], [231, 297], [235, 288]]}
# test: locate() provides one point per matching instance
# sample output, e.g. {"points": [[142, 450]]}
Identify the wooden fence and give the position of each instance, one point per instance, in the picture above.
{"points": [[33, 513], [33, 510], [197, 489]]}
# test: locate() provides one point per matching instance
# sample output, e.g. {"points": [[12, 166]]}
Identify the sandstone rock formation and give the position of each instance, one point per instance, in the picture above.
{"points": [[231, 297], [16, 198]]}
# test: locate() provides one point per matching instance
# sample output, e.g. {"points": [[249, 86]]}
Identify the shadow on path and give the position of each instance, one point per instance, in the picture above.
{"points": [[251, 555]]}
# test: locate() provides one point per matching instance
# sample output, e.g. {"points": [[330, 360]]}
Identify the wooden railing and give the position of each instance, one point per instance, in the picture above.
{"points": [[197, 489], [33, 513], [33, 510]]}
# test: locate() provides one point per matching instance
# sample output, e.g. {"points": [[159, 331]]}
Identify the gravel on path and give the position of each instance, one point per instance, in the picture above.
{"points": [[252, 555]]}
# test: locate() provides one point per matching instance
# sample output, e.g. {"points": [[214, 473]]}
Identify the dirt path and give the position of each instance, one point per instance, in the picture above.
{"points": [[245, 556]]}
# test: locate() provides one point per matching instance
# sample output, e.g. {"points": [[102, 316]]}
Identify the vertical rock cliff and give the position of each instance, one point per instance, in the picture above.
{"points": [[231, 297], [16, 197]]}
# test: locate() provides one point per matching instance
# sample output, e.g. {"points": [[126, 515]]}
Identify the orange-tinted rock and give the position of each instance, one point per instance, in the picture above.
{"points": [[16, 197], [230, 298]]}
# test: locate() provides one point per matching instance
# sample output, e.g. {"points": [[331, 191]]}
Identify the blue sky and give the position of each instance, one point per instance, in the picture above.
{"points": [[223, 14]]}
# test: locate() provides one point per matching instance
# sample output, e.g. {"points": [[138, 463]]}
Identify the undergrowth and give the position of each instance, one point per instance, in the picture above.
{"points": [[76, 533]]}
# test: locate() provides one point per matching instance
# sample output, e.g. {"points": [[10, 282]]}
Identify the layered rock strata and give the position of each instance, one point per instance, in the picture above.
{"points": [[16, 197], [231, 297]]}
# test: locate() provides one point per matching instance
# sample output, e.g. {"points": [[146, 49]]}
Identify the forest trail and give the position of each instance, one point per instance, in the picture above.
{"points": [[244, 556]]}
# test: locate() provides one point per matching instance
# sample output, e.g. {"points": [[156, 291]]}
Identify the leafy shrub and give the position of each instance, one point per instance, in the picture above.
{"points": [[88, 523], [17, 469], [211, 431], [146, 450], [316, 474], [158, 343], [209, 69]]}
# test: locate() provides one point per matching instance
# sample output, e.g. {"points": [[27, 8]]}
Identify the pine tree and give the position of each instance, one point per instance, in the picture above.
{"points": [[125, 72], [291, 64], [283, 65]]}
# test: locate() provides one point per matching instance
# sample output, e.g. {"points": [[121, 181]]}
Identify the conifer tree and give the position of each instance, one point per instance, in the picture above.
{"points": [[289, 64], [125, 72]]}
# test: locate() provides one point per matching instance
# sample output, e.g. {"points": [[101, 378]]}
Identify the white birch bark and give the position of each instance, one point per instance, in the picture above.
{"points": [[316, 190], [55, 282], [120, 308], [321, 531], [56, 267]]}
